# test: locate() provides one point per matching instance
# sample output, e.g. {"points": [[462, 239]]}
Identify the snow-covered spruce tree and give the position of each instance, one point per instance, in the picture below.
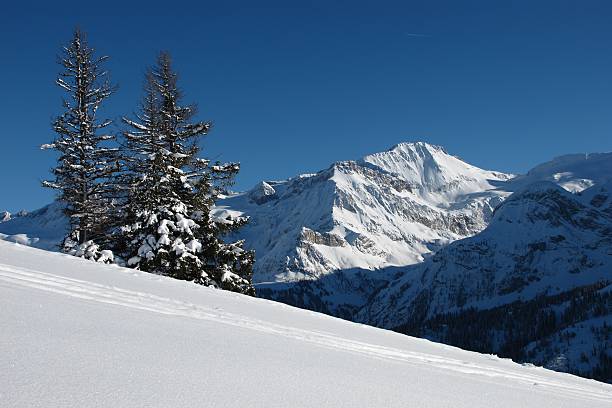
{"points": [[169, 228], [86, 161]]}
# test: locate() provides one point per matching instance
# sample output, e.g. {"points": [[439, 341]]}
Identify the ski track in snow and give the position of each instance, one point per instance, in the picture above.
{"points": [[96, 292]]}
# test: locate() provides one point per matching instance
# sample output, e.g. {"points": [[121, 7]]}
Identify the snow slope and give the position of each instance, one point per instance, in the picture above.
{"points": [[76, 333], [573, 172]]}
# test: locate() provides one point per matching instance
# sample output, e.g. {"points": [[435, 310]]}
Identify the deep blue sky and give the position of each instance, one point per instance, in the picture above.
{"points": [[294, 86]]}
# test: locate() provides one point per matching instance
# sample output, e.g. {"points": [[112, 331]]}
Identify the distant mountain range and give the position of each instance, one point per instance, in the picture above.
{"points": [[416, 240]]}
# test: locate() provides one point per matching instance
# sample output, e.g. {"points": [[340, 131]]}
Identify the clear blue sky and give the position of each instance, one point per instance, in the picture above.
{"points": [[293, 86]]}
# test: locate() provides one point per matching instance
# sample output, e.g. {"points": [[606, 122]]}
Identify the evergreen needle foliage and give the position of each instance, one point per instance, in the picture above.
{"points": [[168, 226], [152, 199], [87, 161]]}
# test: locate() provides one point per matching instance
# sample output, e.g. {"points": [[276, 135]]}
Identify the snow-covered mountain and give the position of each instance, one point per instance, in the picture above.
{"points": [[78, 333], [387, 209], [44, 228], [543, 265], [335, 230], [573, 172], [541, 240]]}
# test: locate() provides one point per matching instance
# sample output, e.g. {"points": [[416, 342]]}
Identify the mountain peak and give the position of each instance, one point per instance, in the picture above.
{"points": [[422, 146], [412, 150], [434, 170]]}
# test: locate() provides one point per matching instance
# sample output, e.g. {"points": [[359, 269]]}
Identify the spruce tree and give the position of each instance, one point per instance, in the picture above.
{"points": [[86, 162], [169, 228]]}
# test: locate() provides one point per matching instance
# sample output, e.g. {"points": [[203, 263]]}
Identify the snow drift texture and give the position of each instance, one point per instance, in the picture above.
{"points": [[77, 333]]}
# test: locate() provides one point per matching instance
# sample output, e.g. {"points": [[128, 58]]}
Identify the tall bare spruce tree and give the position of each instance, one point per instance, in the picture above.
{"points": [[87, 162], [169, 228]]}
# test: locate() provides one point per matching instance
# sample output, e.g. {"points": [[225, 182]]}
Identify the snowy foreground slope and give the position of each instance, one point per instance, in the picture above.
{"points": [[75, 333]]}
